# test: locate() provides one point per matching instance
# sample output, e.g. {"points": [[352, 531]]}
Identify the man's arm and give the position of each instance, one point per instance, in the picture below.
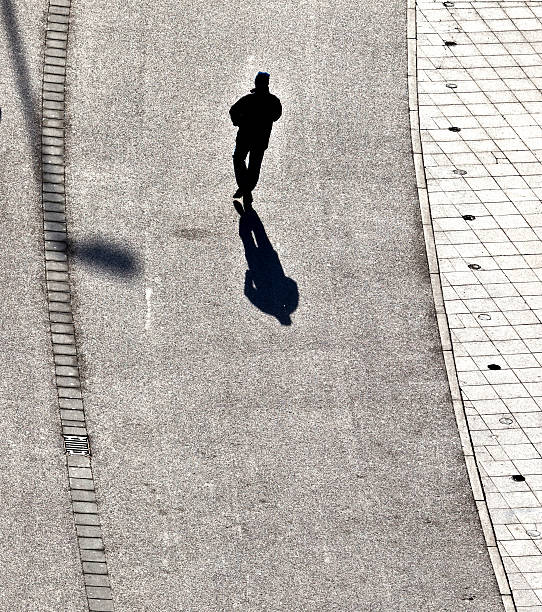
{"points": [[277, 109], [237, 113], [234, 114]]}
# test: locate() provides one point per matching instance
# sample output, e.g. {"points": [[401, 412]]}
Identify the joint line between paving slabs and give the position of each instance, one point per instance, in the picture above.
{"points": [[67, 378], [442, 320]]}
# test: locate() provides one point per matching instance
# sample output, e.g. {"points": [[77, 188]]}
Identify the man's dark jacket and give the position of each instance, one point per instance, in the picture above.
{"points": [[254, 115]]}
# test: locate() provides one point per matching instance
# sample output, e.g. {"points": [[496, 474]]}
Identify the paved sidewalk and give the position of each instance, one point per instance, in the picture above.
{"points": [[480, 107]]}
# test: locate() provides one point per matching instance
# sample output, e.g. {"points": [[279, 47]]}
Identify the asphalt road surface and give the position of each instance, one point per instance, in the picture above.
{"points": [[241, 463]]}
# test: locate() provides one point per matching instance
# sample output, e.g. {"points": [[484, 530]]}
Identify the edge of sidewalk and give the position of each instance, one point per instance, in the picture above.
{"points": [[442, 319]]}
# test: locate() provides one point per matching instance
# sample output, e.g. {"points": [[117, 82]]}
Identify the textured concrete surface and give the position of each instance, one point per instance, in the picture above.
{"points": [[241, 464], [39, 564], [483, 181]]}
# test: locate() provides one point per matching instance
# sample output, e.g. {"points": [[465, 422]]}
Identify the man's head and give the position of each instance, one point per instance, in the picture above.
{"points": [[262, 80]]}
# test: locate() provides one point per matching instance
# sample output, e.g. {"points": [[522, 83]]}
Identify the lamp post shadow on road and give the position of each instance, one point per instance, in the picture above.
{"points": [[107, 256], [21, 70], [266, 285]]}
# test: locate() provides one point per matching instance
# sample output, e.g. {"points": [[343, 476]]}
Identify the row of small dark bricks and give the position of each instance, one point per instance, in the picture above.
{"points": [[87, 521]]}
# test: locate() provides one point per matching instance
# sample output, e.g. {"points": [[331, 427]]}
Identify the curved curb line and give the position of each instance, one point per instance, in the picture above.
{"points": [[68, 383], [442, 320]]}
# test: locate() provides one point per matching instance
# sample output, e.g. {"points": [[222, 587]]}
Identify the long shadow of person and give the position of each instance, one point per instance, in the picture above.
{"points": [[266, 285]]}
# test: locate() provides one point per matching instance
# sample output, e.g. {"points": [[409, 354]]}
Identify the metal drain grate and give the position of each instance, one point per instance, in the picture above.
{"points": [[76, 445]]}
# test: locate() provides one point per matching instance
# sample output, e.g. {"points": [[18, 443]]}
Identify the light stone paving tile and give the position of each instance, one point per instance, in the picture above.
{"points": [[484, 180]]}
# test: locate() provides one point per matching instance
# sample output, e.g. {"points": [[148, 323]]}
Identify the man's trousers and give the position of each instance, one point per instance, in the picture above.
{"points": [[247, 177]]}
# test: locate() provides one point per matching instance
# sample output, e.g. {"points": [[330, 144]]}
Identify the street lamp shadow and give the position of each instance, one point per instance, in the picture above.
{"points": [[266, 285], [21, 71], [107, 256]]}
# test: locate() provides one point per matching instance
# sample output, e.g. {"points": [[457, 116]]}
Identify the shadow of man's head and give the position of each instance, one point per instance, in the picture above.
{"points": [[266, 285]]}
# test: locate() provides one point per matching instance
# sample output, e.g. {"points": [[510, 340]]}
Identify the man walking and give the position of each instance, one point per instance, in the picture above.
{"points": [[254, 114]]}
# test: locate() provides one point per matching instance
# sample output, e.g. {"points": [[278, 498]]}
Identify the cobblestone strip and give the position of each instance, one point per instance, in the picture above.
{"points": [[70, 401], [442, 319]]}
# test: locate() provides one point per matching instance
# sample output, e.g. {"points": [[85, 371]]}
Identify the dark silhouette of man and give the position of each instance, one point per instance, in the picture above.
{"points": [[254, 114]]}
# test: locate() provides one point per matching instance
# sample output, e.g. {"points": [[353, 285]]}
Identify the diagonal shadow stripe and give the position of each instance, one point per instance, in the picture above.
{"points": [[22, 79]]}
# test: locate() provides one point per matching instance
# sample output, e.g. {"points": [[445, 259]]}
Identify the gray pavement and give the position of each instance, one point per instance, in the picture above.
{"points": [[242, 464], [39, 564], [239, 463]]}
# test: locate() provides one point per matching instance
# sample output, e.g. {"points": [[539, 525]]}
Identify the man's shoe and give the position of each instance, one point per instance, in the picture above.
{"points": [[247, 198], [238, 193]]}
